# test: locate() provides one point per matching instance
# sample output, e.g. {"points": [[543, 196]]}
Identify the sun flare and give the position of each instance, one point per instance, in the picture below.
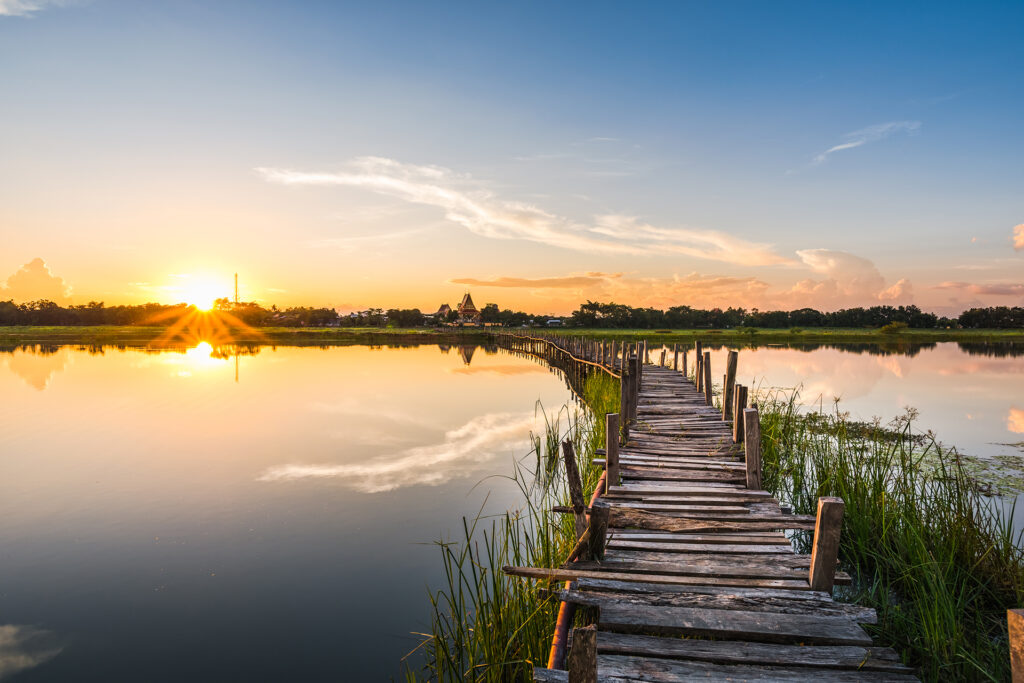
{"points": [[203, 294]]}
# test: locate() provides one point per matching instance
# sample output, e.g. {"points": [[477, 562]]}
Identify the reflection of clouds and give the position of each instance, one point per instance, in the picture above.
{"points": [[354, 408], [498, 369], [475, 442], [1015, 420], [24, 647], [37, 368]]}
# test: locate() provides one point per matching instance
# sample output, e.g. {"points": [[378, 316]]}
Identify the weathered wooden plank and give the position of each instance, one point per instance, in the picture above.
{"points": [[615, 668], [573, 573], [625, 544], [733, 624], [733, 652], [639, 519], [725, 598]]}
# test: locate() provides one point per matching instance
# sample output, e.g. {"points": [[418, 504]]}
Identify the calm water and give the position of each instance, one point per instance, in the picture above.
{"points": [[162, 520]]}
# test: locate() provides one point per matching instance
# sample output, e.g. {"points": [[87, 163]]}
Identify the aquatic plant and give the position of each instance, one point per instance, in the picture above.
{"points": [[936, 557], [486, 626]]}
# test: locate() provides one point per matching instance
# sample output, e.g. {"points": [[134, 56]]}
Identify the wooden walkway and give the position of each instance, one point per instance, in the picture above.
{"points": [[695, 578]]}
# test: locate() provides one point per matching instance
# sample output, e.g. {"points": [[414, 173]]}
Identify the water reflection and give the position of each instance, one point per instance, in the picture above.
{"points": [[25, 647]]}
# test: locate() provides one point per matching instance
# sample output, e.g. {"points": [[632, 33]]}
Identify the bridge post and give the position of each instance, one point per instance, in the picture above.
{"points": [[697, 363], [572, 474], [730, 380], [1015, 622], [825, 549], [611, 449], [582, 660], [675, 357], [752, 447], [708, 389], [624, 399], [739, 403]]}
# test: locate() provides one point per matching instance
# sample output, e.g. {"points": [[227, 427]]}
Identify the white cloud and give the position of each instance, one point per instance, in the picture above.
{"points": [[849, 280], [34, 281], [25, 8], [459, 454], [859, 138], [476, 208]]}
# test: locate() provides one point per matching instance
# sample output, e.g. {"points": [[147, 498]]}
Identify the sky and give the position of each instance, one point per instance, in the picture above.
{"points": [[538, 155]]}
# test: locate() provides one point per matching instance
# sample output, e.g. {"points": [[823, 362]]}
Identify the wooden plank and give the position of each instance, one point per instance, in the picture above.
{"points": [[733, 625], [732, 652], [725, 598], [617, 544], [573, 574], [640, 519], [616, 668]]}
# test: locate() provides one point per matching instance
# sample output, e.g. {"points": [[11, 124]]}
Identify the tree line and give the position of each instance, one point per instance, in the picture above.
{"points": [[589, 315], [612, 315]]}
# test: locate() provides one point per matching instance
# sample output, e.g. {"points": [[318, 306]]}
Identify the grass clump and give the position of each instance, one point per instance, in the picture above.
{"points": [[936, 557], [486, 626]]}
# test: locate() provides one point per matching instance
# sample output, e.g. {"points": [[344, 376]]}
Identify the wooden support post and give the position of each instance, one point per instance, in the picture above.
{"points": [[708, 388], [615, 352], [684, 365], [600, 512], [572, 473], [1015, 622], [582, 660], [611, 448], [624, 401], [825, 550], [739, 402], [730, 380], [752, 447], [675, 357], [662, 361], [699, 360]]}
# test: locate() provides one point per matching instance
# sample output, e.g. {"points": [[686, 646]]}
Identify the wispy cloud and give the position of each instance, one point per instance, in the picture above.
{"points": [[859, 138], [25, 647], [1018, 237], [991, 289], [459, 454], [26, 8], [470, 204], [568, 281]]}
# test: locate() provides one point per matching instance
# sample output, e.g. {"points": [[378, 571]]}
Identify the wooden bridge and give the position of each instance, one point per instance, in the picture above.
{"points": [[681, 557]]}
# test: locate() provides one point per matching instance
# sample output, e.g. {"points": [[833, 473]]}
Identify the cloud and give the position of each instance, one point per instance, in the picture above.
{"points": [[25, 647], [849, 280], [859, 138], [460, 454], [1015, 420], [35, 281], [1018, 237], [25, 8], [476, 208], [993, 289], [533, 283]]}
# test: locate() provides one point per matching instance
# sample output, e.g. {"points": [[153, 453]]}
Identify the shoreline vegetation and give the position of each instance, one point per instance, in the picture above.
{"points": [[145, 335], [929, 550]]}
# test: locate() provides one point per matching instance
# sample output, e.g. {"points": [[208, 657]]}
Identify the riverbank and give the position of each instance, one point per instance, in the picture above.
{"points": [[301, 336], [132, 335]]}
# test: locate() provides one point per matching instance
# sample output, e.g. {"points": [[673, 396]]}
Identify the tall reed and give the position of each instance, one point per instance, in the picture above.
{"points": [[936, 557], [486, 626]]}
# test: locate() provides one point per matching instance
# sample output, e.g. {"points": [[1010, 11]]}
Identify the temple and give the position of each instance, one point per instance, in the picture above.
{"points": [[467, 311]]}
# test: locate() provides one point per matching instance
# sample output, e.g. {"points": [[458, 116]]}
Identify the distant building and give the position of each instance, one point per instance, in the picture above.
{"points": [[468, 313], [443, 312]]}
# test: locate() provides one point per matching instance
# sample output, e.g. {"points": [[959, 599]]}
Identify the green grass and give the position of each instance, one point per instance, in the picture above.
{"points": [[140, 335], [936, 558], [753, 336], [486, 626], [743, 337]]}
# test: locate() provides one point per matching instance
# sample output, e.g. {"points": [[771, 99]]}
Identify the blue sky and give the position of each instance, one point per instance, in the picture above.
{"points": [[393, 154]]}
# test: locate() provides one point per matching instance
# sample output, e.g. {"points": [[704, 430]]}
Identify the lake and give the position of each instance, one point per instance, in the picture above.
{"points": [[242, 513]]}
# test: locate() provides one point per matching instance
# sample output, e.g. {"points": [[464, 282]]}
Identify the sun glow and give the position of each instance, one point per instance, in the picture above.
{"points": [[201, 292]]}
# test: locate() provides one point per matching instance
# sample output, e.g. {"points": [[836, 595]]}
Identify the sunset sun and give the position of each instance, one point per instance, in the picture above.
{"points": [[203, 293]]}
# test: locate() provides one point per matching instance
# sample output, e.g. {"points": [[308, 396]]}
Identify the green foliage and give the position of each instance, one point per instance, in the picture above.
{"points": [[894, 328], [928, 550], [486, 626]]}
